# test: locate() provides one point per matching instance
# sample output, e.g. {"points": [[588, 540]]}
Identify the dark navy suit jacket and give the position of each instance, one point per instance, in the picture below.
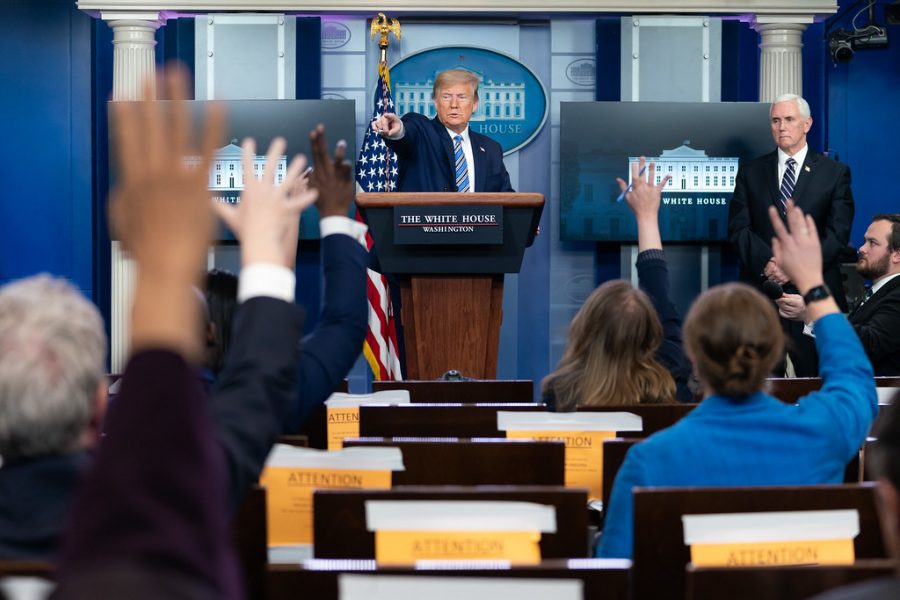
{"points": [[426, 158], [877, 322], [330, 350], [822, 191], [264, 390]]}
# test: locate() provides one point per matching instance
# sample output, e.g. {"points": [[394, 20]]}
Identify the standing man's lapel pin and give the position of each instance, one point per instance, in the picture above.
{"points": [[481, 148], [806, 168]]}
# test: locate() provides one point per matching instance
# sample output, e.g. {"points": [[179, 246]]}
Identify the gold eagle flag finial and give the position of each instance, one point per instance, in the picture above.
{"points": [[384, 26]]}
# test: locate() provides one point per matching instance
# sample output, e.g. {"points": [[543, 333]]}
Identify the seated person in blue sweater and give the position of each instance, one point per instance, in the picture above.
{"points": [[624, 345], [740, 435]]}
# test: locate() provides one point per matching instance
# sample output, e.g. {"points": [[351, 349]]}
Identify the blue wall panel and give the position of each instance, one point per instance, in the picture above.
{"points": [[863, 125], [740, 62], [608, 42], [47, 207], [309, 58], [815, 63], [101, 81]]}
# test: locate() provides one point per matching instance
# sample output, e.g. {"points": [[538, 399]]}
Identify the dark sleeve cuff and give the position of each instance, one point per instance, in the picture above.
{"points": [[652, 254]]}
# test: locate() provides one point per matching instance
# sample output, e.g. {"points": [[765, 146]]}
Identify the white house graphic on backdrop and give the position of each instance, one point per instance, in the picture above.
{"points": [[226, 170], [496, 101], [692, 170]]}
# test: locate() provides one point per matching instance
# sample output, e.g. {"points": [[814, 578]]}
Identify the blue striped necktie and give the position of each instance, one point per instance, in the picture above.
{"points": [[462, 167], [787, 184]]}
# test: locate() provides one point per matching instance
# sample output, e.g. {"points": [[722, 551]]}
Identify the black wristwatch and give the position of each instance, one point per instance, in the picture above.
{"points": [[820, 292]]}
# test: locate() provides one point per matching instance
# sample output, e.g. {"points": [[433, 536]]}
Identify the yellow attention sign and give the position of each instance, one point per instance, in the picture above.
{"points": [[289, 494], [396, 548], [584, 455], [342, 423], [753, 554]]}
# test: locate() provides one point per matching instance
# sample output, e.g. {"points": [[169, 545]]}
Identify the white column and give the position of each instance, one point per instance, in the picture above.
{"points": [[780, 59], [133, 63]]}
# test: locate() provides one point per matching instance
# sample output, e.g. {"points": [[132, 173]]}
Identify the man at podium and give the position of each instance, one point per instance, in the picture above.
{"points": [[442, 154]]}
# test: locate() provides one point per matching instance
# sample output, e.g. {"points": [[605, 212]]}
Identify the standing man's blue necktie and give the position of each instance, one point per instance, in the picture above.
{"points": [[462, 167], [787, 184]]}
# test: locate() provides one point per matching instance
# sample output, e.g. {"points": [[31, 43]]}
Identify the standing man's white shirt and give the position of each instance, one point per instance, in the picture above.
{"points": [[799, 157], [467, 151]]}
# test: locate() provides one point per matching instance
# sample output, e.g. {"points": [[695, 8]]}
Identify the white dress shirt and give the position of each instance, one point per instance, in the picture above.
{"points": [[800, 156], [467, 151]]}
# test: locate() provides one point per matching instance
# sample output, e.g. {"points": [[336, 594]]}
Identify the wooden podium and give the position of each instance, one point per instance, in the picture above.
{"points": [[451, 291]]}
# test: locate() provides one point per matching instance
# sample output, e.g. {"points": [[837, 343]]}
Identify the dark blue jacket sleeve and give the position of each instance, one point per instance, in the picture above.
{"points": [[330, 350], [254, 394], [653, 277], [412, 129]]}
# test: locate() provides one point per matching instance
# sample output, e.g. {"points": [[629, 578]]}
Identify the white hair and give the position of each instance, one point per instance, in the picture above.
{"points": [[52, 359], [802, 105]]}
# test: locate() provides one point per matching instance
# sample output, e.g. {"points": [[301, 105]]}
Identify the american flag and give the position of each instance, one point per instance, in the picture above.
{"points": [[376, 171]]}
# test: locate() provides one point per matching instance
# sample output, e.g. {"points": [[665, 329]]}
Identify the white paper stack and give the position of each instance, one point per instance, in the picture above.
{"points": [[356, 458], [385, 398], [781, 526], [886, 394], [574, 421], [459, 515], [393, 587]]}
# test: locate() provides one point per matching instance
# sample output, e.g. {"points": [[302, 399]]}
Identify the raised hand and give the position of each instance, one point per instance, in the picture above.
{"points": [[798, 252], [644, 200], [331, 177], [388, 125], [266, 221]]}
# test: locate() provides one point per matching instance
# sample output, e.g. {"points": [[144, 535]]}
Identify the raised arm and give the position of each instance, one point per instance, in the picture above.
{"points": [[332, 348], [151, 512], [255, 392], [848, 386], [653, 275]]}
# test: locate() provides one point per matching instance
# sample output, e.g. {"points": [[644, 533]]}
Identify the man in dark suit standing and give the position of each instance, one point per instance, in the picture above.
{"points": [[877, 319], [818, 185], [443, 154]]}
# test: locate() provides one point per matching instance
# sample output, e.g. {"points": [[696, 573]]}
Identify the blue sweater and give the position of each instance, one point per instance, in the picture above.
{"points": [[757, 440]]}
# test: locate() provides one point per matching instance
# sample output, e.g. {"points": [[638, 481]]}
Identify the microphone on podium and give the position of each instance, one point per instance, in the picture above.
{"points": [[772, 289]]}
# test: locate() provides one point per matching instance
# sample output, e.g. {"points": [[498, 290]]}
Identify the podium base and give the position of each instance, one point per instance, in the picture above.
{"points": [[451, 322]]}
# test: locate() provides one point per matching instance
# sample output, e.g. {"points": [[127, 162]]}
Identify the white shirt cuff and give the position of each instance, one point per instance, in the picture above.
{"points": [[266, 279], [809, 329], [344, 226]]}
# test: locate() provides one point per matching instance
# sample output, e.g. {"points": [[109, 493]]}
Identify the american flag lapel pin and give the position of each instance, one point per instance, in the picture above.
{"points": [[481, 148], [806, 168]]}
